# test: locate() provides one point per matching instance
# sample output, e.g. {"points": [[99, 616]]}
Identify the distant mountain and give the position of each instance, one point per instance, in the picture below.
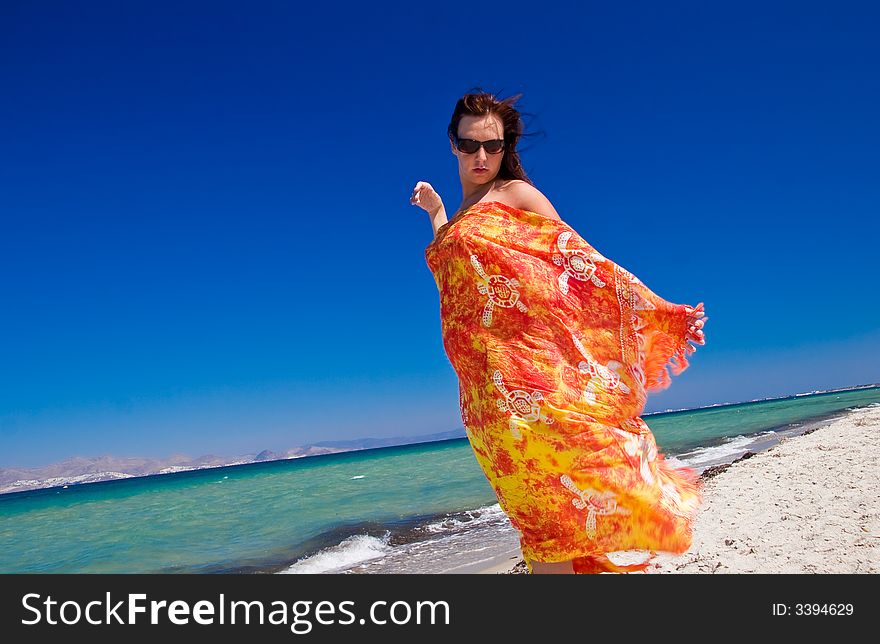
{"points": [[78, 470]]}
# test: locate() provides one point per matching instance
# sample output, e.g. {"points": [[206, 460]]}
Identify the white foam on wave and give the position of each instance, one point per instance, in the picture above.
{"points": [[675, 462], [723, 453], [359, 476], [467, 519], [345, 554]]}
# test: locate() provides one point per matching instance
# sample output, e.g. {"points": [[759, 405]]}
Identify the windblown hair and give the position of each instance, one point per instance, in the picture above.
{"points": [[480, 103]]}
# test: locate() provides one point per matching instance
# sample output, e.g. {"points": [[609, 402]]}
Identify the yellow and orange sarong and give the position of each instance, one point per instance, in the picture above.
{"points": [[555, 347]]}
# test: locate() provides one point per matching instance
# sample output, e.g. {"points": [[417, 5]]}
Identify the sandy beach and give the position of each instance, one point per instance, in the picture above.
{"points": [[809, 504]]}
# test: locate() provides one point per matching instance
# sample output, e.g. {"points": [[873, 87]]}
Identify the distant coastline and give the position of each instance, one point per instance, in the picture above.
{"points": [[745, 402], [80, 470]]}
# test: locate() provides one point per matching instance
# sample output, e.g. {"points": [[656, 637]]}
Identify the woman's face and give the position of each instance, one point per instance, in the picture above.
{"points": [[479, 128]]}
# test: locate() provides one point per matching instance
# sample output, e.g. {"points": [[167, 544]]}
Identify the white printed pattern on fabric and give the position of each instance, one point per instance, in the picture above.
{"points": [[645, 448], [632, 342], [596, 503], [521, 405], [576, 263], [601, 376], [500, 290]]}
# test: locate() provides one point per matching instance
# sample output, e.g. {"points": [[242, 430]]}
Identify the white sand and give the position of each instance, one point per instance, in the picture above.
{"points": [[810, 504], [498, 563]]}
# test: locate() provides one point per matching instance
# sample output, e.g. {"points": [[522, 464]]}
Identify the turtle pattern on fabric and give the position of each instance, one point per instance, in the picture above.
{"points": [[556, 348]]}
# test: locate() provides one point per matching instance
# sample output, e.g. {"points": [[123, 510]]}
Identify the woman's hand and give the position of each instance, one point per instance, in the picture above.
{"points": [[425, 197], [695, 321]]}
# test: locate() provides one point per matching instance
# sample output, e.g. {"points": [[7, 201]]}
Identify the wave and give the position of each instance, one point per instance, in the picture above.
{"points": [[350, 552], [729, 450], [435, 543], [466, 519]]}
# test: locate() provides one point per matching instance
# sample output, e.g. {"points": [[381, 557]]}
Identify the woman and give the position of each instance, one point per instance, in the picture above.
{"points": [[555, 347]]}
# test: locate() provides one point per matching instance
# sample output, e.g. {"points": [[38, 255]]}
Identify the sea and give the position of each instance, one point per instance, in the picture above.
{"points": [[425, 508]]}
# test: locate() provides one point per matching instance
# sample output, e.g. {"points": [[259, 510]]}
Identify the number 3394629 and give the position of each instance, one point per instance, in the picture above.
{"points": [[813, 609]]}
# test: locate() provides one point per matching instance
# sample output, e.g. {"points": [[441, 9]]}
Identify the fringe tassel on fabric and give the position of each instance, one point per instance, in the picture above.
{"points": [[663, 353]]}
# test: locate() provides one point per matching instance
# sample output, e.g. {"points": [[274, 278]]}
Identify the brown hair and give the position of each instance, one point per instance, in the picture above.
{"points": [[480, 103]]}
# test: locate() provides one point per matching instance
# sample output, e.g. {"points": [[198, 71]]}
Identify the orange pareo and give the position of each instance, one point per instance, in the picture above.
{"points": [[555, 347]]}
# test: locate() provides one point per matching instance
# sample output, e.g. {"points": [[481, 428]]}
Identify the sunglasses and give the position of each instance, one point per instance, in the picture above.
{"points": [[469, 146]]}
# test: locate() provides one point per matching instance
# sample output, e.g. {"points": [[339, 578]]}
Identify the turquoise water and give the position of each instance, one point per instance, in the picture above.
{"points": [[679, 432], [264, 516]]}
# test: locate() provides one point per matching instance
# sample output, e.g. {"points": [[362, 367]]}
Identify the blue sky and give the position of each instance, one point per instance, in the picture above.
{"points": [[207, 244]]}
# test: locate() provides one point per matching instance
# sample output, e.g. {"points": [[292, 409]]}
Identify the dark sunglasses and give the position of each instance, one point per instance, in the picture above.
{"points": [[469, 146]]}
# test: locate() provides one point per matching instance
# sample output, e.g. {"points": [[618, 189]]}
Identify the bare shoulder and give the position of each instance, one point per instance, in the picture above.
{"points": [[525, 196]]}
